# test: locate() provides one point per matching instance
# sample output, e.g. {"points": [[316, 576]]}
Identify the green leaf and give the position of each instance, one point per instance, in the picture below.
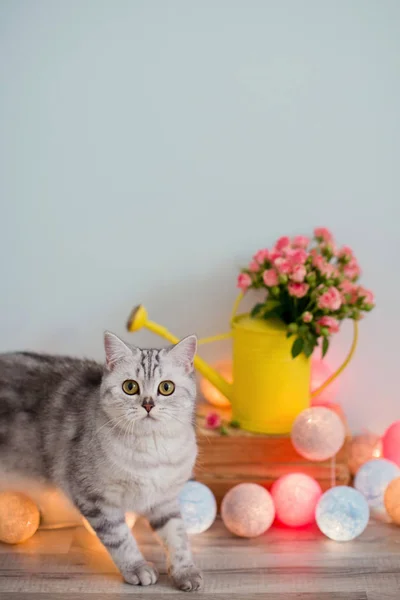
{"points": [[289, 334], [223, 430], [297, 347], [235, 424], [308, 347], [257, 309], [274, 313], [325, 346]]}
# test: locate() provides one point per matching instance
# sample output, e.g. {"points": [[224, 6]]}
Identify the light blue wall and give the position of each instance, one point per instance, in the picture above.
{"points": [[147, 148]]}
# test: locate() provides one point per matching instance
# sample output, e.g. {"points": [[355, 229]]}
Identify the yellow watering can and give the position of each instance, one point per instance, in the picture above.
{"points": [[270, 388]]}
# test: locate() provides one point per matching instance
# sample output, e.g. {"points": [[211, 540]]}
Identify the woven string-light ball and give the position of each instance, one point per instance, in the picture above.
{"points": [[363, 448], [295, 496], [198, 507], [372, 480], [318, 433], [248, 510], [392, 500], [19, 517], [342, 513], [391, 443]]}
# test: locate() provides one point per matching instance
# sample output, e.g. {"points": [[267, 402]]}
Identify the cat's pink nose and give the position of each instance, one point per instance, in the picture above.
{"points": [[148, 404]]}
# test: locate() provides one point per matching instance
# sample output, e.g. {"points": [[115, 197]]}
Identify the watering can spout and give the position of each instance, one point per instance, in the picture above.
{"points": [[139, 319]]}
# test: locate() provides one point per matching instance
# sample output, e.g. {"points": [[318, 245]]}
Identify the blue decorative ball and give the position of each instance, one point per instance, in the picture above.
{"points": [[372, 479], [342, 513], [198, 506]]}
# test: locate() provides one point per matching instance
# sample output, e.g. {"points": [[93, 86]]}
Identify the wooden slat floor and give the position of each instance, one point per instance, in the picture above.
{"points": [[283, 564]]}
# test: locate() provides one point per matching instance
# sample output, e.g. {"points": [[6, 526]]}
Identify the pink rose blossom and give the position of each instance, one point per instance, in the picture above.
{"points": [[348, 288], [329, 322], [300, 241], [298, 257], [346, 253], [367, 295], [298, 290], [298, 273], [283, 265], [323, 266], [270, 277], [324, 234], [243, 281], [254, 266], [261, 256], [352, 270], [274, 254], [282, 243], [329, 270], [307, 317], [318, 261], [331, 299], [331, 246], [213, 420]]}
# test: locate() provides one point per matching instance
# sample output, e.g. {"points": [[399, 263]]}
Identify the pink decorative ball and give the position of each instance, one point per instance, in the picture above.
{"points": [[320, 372], [248, 510], [296, 496], [391, 443], [318, 433]]}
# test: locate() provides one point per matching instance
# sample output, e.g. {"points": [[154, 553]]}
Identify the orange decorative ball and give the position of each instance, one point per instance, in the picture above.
{"points": [[363, 448], [210, 392], [392, 500], [19, 517]]}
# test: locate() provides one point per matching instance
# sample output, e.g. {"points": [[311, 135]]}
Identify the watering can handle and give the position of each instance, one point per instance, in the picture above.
{"points": [[338, 371]]}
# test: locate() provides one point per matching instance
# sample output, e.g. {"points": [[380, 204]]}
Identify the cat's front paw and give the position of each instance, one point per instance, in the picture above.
{"points": [[141, 574], [187, 579]]}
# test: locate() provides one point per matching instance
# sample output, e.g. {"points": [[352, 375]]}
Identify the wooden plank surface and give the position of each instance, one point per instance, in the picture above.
{"points": [[283, 564]]}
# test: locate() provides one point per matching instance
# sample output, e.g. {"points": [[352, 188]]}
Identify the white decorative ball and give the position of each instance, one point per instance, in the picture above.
{"points": [[198, 507], [372, 479], [318, 433], [248, 510], [342, 513]]}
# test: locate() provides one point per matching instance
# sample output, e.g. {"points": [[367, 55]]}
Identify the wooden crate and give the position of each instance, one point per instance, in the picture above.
{"points": [[225, 461]]}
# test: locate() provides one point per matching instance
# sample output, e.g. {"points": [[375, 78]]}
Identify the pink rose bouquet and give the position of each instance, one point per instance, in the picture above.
{"points": [[311, 285]]}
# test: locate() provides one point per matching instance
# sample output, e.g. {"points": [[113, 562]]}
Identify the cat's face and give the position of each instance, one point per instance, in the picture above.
{"points": [[146, 390]]}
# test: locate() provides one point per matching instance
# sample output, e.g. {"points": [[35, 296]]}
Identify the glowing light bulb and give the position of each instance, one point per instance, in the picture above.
{"points": [[392, 500], [318, 433], [210, 392], [295, 496], [248, 510], [391, 443], [342, 513], [371, 480], [19, 517], [198, 507], [363, 448]]}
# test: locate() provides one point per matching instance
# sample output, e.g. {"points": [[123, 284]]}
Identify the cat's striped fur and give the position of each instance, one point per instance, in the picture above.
{"points": [[69, 422]]}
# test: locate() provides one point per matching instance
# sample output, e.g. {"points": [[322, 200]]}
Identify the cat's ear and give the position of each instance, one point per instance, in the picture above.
{"points": [[183, 352], [116, 349]]}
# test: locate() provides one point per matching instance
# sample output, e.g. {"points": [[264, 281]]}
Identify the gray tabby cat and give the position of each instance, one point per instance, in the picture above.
{"points": [[115, 439]]}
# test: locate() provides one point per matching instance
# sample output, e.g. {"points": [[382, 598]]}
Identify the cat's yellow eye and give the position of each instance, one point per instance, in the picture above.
{"points": [[130, 387], [166, 388]]}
